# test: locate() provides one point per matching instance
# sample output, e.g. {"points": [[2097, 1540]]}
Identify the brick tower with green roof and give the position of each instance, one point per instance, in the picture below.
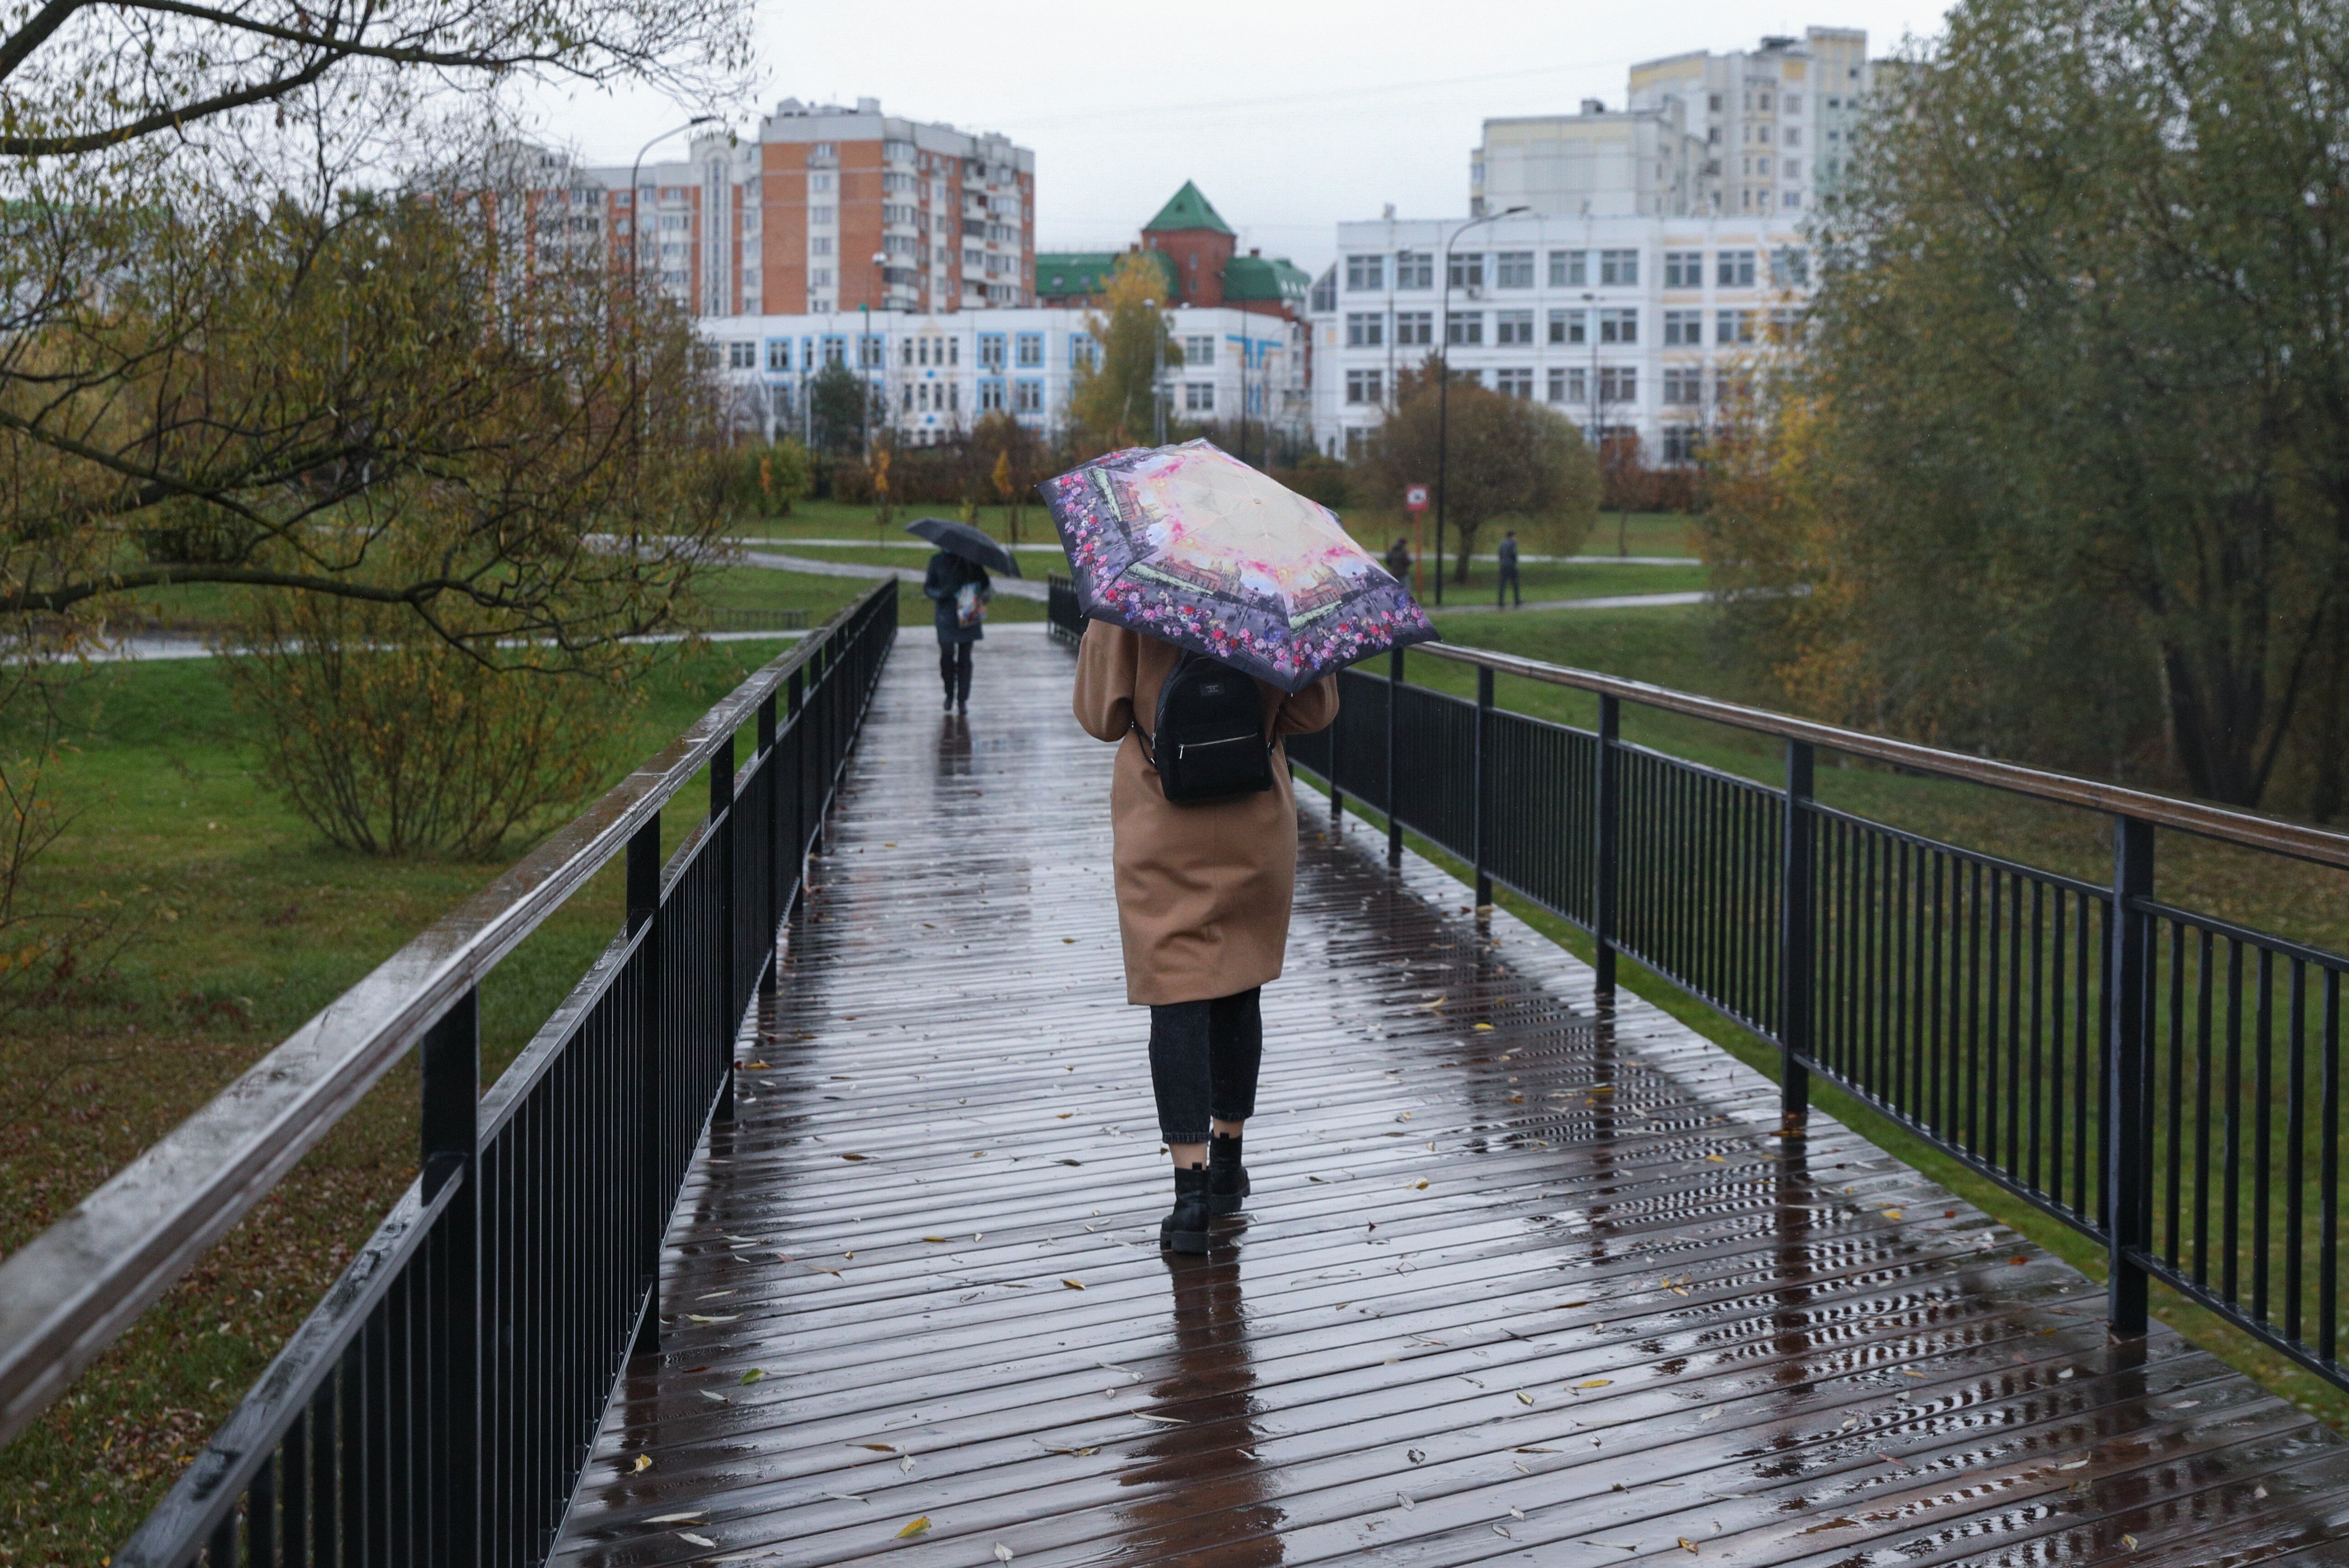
{"points": [[1193, 235]]}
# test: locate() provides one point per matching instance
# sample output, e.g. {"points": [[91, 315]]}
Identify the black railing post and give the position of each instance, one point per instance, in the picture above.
{"points": [[451, 1064], [2128, 1078], [1394, 807], [721, 844], [771, 857], [1798, 956], [1606, 813], [643, 917], [1481, 830], [795, 694]]}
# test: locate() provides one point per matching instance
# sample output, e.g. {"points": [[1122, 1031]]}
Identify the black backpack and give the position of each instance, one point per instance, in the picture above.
{"points": [[1208, 743]]}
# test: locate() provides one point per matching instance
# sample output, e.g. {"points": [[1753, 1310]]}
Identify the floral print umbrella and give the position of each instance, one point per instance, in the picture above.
{"points": [[1190, 545]]}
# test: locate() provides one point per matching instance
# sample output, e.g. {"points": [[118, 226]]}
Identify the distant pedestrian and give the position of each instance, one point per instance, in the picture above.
{"points": [[1203, 900], [961, 589], [1508, 574], [1399, 560]]}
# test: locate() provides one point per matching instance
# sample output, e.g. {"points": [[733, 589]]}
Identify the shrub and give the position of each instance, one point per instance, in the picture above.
{"points": [[763, 479], [388, 740], [1317, 478]]}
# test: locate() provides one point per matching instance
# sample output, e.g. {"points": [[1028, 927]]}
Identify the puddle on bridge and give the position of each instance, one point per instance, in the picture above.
{"points": [[1519, 1283]]}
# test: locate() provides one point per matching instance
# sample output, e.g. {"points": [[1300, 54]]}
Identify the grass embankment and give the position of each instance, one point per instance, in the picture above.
{"points": [[1677, 647], [236, 923]]}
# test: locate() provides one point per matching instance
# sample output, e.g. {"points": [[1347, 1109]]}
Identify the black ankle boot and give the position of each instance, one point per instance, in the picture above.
{"points": [[1184, 1228], [1227, 1179]]}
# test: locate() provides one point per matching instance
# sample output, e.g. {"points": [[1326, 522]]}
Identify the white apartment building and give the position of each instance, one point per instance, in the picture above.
{"points": [[1761, 132], [1628, 324], [938, 374]]}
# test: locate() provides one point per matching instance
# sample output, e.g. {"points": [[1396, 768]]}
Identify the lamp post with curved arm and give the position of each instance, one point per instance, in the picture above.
{"points": [[1444, 387]]}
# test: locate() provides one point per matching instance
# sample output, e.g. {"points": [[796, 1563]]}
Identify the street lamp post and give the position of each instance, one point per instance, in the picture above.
{"points": [[1157, 374], [635, 256], [1444, 387]]}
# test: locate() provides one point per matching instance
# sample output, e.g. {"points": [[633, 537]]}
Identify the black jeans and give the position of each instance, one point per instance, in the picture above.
{"points": [[1509, 586], [954, 669], [1204, 1058]]}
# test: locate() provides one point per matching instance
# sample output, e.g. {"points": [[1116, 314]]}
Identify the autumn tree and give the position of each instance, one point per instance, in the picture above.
{"points": [[1111, 404], [1507, 457], [2065, 458]]}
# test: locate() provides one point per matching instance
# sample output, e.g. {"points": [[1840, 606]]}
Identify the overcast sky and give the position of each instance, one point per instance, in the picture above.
{"points": [[1290, 117]]}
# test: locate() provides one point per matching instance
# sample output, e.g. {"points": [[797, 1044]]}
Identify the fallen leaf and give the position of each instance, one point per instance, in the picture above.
{"points": [[1833, 1525], [705, 1317], [1538, 1450], [1072, 1284], [1162, 1420], [1892, 1214], [1484, 1026], [933, 1238], [905, 1464], [1416, 1456], [1404, 1503], [1002, 1552], [644, 1462], [1071, 940], [1713, 1414], [1074, 1453], [696, 1540], [2129, 1542], [1524, 1398], [1502, 1531], [1065, 1115], [1418, 1186], [844, 1497], [1516, 1513], [1594, 1382], [1717, 1160], [713, 1395], [2076, 1464], [876, 1447], [1687, 1545], [915, 1528], [675, 1518], [852, 1157]]}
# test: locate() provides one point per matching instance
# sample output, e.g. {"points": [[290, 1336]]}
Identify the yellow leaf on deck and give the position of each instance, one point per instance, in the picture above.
{"points": [[1072, 1284], [915, 1528], [644, 1462], [1594, 1382]]}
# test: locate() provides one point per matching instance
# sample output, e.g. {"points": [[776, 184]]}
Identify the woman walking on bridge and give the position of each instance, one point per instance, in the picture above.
{"points": [[1203, 901], [961, 589]]}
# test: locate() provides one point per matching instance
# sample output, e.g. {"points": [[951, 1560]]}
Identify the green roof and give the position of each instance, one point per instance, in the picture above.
{"points": [[1273, 280], [1088, 272], [1187, 210]]}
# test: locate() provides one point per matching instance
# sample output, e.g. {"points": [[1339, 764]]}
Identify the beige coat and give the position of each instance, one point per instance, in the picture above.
{"points": [[1202, 892]]}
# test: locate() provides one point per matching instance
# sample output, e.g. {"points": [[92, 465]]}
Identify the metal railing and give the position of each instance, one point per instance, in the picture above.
{"points": [[1061, 616], [2164, 1081], [437, 1405]]}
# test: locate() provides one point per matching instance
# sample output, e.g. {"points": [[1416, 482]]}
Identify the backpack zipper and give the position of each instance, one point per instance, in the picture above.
{"points": [[1184, 750]]}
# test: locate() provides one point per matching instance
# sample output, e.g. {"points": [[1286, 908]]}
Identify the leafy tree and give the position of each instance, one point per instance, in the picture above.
{"points": [[1017, 463], [837, 410], [2065, 458], [1111, 404], [1509, 457]]}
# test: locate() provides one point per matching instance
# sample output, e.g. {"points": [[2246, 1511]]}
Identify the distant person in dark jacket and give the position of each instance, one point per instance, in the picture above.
{"points": [[1508, 574], [1399, 561], [958, 617]]}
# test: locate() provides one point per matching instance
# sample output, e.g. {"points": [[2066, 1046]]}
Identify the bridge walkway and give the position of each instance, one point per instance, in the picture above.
{"points": [[1523, 1282]]}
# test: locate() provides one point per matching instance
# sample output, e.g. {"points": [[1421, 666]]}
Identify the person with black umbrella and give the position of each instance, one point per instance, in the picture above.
{"points": [[957, 583]]}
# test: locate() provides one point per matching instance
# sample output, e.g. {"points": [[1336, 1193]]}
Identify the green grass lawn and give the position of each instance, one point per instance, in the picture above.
{"points": [[237, 924]]}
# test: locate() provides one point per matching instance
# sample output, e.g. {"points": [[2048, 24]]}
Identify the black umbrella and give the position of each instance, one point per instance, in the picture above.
{"points": [[961, 539]]}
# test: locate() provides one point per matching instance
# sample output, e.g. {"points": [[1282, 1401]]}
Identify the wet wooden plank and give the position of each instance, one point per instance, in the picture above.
{"points": [[1521, 1282]]}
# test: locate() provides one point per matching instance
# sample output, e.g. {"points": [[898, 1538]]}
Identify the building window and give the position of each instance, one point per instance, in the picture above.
{"points": [[1733, 270], [1790, 265], [1415, 328], [819, 278], [1363, 272], [1683, 328], [1619, 383], [819, 215], [1619, 266], [1027, 397], [1619, 326], [1031, 349], [1363, 387], [1467, 271], [819, 245], [1683, 385], [990, 350], [990, 395], [1085, 353], [1513, 326], [1198, 351], [1465, 327], [1515, 383], [1414, 270], [1198, 396], [835, 351], [1513, 270], [1567, 326], [1684, 269], [1733, 327], [1568, 269], [1794, 200], [779, 354], [872, 352], [1680, 444], [1792, 103], [1566, 385], [1365, 330]]}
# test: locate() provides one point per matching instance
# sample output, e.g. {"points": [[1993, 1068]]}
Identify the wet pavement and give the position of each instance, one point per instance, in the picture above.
{"points": [[1519, 1283]]}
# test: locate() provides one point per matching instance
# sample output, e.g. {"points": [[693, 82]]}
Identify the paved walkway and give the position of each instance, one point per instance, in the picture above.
{"points": [[774, 560], [1522, 1283]]}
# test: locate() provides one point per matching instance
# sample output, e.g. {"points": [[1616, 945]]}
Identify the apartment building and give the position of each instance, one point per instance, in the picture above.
{"points": [[1762, 132], [938, 373], [1630, 324]]}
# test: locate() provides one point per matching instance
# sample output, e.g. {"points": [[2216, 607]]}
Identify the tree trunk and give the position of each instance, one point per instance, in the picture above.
{"points": [[1467, 548]]}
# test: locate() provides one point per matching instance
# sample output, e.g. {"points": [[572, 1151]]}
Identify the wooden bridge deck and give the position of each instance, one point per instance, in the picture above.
{"points": [[1520, 1284]]}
